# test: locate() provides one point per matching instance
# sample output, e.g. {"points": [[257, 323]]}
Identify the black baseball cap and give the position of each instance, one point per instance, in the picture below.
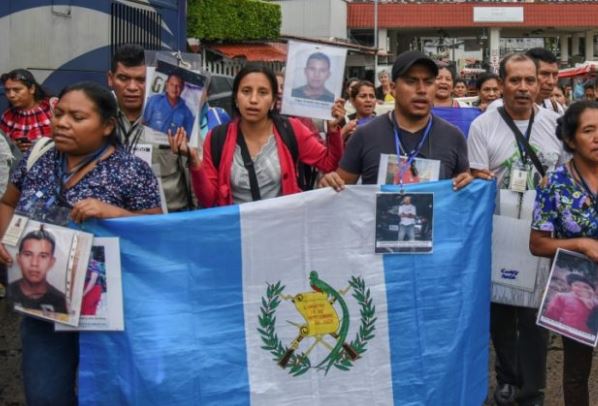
{"points": [[407, 59]]}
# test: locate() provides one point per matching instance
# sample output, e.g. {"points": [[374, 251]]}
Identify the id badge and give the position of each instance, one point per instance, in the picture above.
{"points": [[518, 180], [15, 230]]}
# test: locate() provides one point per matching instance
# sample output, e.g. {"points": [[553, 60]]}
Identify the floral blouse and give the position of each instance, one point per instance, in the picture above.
{"points": [[564, 208], [122, 180]]}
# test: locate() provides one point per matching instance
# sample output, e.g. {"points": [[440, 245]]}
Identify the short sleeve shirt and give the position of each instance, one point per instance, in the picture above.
{"points": [[446, 143], [122, 180], [564, 208], [404, 210], [492, 145]]}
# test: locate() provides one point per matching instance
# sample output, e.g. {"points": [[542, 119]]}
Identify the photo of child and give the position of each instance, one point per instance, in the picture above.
{"points": [[570, 305]]}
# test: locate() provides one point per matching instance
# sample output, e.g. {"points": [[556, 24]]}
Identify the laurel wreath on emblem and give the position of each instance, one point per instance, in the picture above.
{"points": [[299, 363]]}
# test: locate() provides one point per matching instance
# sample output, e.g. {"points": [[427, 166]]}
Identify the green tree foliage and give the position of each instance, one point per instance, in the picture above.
{"points": [[233, 20]]}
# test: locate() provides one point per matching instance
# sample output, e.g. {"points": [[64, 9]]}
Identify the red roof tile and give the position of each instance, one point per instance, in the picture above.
{"points": [[267, 52]]}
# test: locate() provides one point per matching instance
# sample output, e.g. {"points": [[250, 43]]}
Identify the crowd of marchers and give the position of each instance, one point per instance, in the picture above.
{"points": [[87, 167]]}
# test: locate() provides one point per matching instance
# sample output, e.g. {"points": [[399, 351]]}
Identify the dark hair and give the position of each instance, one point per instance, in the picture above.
{"points": [[575, 277], [39, 235], [102, 98], [254, 68], [588, 86], [25, 77], [541, 54], [355, 88], [459, 80], [175, 75], [448, 68], [514, 57], [348, 81], [128, 55], [568, 124], [483, 78], [319, 56]]}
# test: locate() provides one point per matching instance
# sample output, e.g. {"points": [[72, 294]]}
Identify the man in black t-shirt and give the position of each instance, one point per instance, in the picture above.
{"points": [[414, 76], [36, 259]]}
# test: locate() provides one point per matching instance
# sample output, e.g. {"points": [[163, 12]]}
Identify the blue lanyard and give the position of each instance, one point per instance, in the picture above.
{"points": [[415, 152], [64, 175]]}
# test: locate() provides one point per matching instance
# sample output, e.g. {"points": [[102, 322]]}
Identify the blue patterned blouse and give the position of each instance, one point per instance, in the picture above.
{"points": [[121, 180], [562, 206]]}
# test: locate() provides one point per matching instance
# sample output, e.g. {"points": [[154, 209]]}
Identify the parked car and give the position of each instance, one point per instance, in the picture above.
{"points": [[220, 92]]}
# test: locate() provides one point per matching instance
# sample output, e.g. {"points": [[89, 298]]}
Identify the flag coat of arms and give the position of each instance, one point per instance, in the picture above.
{"points": [[284, 302]]}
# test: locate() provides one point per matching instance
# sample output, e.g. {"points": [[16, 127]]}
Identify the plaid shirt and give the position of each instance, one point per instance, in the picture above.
{"points": [[33, 123]]}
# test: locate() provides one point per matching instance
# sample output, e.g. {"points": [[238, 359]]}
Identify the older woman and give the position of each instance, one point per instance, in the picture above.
{"points": [[28, 117], [363, 98], [89, 175], [566, 216], [384, 92], [254, 136], [444, 88], [488, 87]]}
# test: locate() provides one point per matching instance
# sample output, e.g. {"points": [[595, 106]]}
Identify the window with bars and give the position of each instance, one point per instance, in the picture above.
{"points": [[131, 25]]}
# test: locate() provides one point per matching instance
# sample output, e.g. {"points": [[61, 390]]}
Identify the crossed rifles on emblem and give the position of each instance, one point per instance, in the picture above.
{"points": [[321, 320]]}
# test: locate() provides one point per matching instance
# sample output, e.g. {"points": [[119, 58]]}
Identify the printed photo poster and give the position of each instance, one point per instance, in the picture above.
{"points": [[404, 223], [570, 303], [174, 98], [313, 79], [421, 170], [48, 272], [102, 303]]}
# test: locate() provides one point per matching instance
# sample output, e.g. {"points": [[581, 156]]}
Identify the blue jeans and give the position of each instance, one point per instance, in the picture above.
{"points": [[408, 231], [49, 364]]}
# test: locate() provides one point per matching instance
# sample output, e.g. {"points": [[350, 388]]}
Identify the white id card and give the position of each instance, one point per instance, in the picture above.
{"points": [[15, 230], [518, 180]]}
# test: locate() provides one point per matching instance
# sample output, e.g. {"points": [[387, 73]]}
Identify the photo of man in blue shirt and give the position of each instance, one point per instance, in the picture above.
{"points": [[167, 111]]}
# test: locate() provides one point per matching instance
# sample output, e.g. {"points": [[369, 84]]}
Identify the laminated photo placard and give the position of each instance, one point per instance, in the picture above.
{"points": [[48, 271], [174, 98], [420, 170], [404, 223], [102, 303], [570, 303], [313, 79]]}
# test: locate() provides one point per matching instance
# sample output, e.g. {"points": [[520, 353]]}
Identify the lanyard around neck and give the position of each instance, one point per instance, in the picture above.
{"points": [[413, 153], [584, 184], [129, 143], [522, 141], [65, 175]]}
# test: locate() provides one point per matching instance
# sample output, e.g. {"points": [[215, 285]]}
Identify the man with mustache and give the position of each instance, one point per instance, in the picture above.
{"points": [[409, 130], [548, 75], [495, 152]]}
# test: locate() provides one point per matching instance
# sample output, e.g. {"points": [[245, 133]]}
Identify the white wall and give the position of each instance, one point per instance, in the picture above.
{"points": [[319, 19]]}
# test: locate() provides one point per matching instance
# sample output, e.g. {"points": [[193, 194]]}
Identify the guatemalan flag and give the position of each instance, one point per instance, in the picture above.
{"points": [[283, 302]]}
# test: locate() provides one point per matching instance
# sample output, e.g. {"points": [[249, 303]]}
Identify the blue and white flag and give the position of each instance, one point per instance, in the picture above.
{"points": [[283, 302], [459, 117]]}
